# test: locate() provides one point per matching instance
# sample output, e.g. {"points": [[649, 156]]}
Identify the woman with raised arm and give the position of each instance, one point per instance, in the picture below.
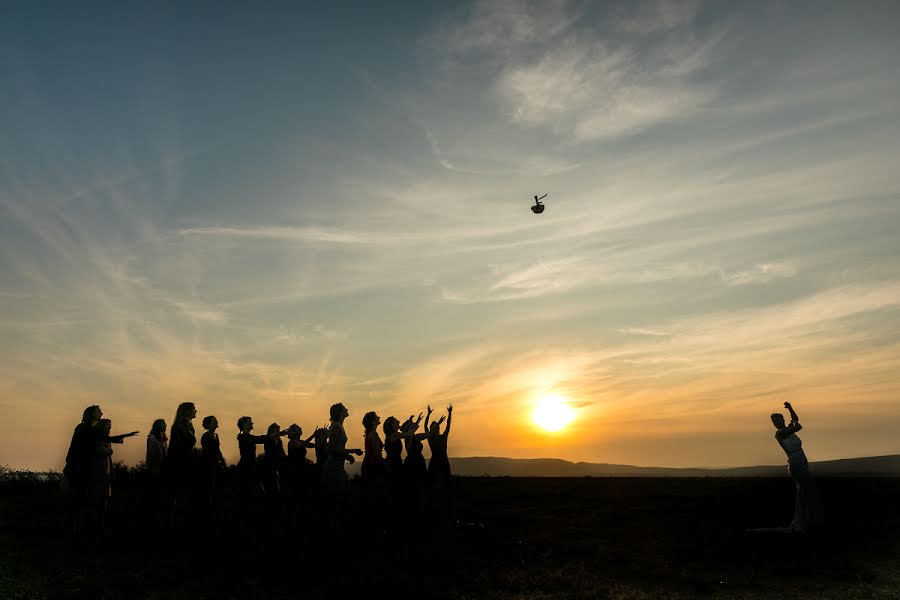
{"points": [[415, 470], [81, 457], [808, 515], [439, 465], [297, 475], [102, 470], [273, 463], [248, 476]]}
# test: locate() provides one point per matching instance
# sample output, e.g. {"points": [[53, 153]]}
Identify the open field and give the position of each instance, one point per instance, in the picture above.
{"points": [[514, 538]]}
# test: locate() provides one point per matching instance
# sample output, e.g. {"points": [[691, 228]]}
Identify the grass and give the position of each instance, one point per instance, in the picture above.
{"points": [[513, 539]]}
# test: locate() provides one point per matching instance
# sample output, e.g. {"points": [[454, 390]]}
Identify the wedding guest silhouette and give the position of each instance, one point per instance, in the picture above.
{"points": [[80, 459], [808, 513]]}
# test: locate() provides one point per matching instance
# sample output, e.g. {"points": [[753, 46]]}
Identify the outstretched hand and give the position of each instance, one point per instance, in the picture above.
{"points": [[350, 459], [449, 408], [787, 405], [441, 420], [133, 433]]}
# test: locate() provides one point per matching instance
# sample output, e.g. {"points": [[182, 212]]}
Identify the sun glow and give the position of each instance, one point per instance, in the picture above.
{"points": [[552, 413]]}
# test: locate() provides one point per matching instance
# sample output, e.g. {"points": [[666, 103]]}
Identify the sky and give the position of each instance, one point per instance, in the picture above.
{"points": [[267, 208]]}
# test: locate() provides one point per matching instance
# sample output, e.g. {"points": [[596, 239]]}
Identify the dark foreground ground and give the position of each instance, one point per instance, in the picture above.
{"points": [[511, 538]]}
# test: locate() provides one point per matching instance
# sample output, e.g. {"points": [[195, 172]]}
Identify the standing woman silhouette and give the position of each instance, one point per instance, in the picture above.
{"points": [[808, 514], [101, 478], [298, 473], [180, 458], [439, 465], [157, 449], [273, 463], [415, 470], [211, 460], [374, 472], [334, 478], [80, 459]]}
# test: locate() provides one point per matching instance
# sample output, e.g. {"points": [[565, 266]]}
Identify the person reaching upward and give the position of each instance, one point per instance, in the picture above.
{"points": [[808, 516]]}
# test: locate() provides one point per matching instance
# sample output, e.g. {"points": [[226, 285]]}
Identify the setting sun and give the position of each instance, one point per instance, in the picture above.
{"points": [[552, 413]]}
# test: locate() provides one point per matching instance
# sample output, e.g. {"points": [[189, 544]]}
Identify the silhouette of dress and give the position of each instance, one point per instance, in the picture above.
{"points": [[373, 466], [298, 471], [394, 457], [247, 474], [808, 513], [273, 460], [101, 475], [334, 477], [181, 446], [414, 466], [211, 458], [156, 456], [373, 477], [439, 465]]}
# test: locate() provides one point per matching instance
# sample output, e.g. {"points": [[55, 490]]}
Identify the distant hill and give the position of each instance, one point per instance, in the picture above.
{"points": [[873, 466]]}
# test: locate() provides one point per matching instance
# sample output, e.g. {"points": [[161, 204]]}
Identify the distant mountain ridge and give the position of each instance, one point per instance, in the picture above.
{"points": [[872, 466]]}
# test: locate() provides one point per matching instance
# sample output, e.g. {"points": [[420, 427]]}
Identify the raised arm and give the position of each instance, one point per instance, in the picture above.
{"points": [[427, 416], [449, 419], [794, 418]]}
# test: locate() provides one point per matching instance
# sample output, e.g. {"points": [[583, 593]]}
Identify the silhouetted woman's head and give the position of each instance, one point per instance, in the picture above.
{"points": [[391, 425], [91, 414], [778, 420], [158, 429], [245, 424], [294, 432], [370, 421], [186, 410], [273, 429], [210, 422], [104, 426], [339, 412], [434, 428]]}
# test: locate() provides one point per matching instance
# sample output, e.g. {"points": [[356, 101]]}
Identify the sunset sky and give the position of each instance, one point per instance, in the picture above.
{"points": [[269, 208]]}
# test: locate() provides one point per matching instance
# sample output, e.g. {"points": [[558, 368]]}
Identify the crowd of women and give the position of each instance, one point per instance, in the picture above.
{"points": [[182, 477]]}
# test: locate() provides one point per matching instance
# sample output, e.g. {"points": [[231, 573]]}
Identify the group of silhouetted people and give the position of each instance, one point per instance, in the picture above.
{"points": [[287, 483], [181, 477]]}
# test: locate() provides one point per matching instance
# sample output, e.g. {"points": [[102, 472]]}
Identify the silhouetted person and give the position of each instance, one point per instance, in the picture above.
{"points": [[808, 514], [157, 448], [320, 443], [80, 459], [211, 461], [394, 434], [415, 471], [393, 446], [373, 475], [299, 472], [273, 462], [334, 477], [101, 475], [439, 465], [250, 486], [180, 460]]}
